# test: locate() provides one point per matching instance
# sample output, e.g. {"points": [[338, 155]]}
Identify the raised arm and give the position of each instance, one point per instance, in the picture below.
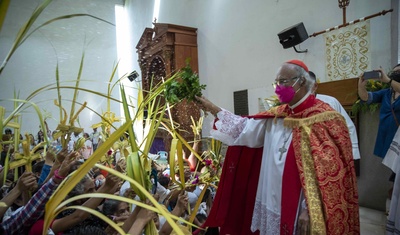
{"points": [[34, 209], [362, 90], [78, 216], [208, 105], [392, 83], [179, 209], [192, 160], [26, 182], [48, 164], [144, 216], [58, 160], [131, 219]]}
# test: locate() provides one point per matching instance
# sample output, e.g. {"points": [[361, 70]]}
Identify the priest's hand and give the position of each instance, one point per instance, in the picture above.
{"points": [[208, 105], [304, 222]]}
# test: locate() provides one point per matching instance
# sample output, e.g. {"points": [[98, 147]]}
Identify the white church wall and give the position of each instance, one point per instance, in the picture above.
{"points": [[238, 44], [34, 63], [237, 41]]}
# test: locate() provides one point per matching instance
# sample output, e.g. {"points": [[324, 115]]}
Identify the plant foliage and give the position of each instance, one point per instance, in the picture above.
{"points": [[187, 87]]}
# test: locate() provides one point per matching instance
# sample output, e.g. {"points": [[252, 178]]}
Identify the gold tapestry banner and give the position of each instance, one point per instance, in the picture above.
{"points": [[347, 51]]}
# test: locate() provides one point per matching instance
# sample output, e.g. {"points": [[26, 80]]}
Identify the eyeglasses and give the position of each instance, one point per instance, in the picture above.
{"points": [[283, 82]]}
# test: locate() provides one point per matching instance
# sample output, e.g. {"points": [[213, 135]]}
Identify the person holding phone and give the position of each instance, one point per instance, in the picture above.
{"points": [[389, 115]]}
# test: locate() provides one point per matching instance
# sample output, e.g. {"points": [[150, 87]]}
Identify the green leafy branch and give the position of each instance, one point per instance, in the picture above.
{"points": [[186, 87]]}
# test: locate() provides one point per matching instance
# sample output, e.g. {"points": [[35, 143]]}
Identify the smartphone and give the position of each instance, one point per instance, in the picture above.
{"points": [[372, 75]]}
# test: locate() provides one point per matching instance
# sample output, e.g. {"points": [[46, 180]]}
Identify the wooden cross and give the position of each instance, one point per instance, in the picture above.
{"points": [[343, 4]]}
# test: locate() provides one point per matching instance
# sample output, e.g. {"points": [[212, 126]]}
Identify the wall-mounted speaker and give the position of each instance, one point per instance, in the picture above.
{"points": [[293, 36], [132, 76]]}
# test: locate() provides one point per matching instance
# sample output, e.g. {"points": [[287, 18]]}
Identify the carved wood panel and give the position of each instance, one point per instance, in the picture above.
{"points": [[162, 50]]}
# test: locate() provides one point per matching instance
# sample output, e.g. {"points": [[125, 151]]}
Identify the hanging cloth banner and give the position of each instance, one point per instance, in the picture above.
{"points": [[347, 51]]}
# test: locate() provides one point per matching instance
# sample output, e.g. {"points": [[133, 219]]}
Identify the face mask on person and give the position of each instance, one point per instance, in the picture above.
{"points": [[286, 93], [99, 182]]}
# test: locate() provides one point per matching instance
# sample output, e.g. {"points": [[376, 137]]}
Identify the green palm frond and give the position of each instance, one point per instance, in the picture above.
{"points": [[64, 17], [3, 10], [23, 31], [23, 34]]}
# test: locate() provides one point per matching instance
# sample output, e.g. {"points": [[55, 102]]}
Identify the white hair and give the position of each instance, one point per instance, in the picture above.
{"points": [[301, 72]]}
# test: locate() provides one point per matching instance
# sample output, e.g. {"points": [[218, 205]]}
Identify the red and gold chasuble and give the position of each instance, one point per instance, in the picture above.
{"points": [[319, 162]]}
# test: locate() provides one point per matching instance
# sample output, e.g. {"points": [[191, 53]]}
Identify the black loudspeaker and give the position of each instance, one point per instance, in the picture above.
{"points": [[132, 76], [293, 36]]}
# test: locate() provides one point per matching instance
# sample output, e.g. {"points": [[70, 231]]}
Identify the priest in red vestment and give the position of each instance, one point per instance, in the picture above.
{"points": [[288, 170]]}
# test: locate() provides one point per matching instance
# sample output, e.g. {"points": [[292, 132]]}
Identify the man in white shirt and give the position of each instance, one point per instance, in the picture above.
{"points": [[87, 149], [94, 136]]}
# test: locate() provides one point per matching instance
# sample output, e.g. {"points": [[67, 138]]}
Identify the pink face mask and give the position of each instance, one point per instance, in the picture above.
{"points": [[285, 93]]}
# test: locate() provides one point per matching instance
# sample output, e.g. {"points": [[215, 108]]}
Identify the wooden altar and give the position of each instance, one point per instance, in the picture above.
{"points": [[345, 91]]}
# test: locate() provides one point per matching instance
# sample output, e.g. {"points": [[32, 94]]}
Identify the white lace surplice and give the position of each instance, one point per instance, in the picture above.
{"points": [[235, 130]]}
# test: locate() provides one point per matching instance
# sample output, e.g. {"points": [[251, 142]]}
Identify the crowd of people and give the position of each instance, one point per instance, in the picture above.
{"points": [[25, 198], [288, 170]]}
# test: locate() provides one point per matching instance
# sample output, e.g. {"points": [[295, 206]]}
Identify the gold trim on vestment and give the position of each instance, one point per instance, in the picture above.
{"points": [[311, 190], [311, 185], [321, 117]]}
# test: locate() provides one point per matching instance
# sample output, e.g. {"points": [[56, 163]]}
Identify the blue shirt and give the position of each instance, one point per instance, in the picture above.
{"points": [[45, 172], [387, 122]]}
